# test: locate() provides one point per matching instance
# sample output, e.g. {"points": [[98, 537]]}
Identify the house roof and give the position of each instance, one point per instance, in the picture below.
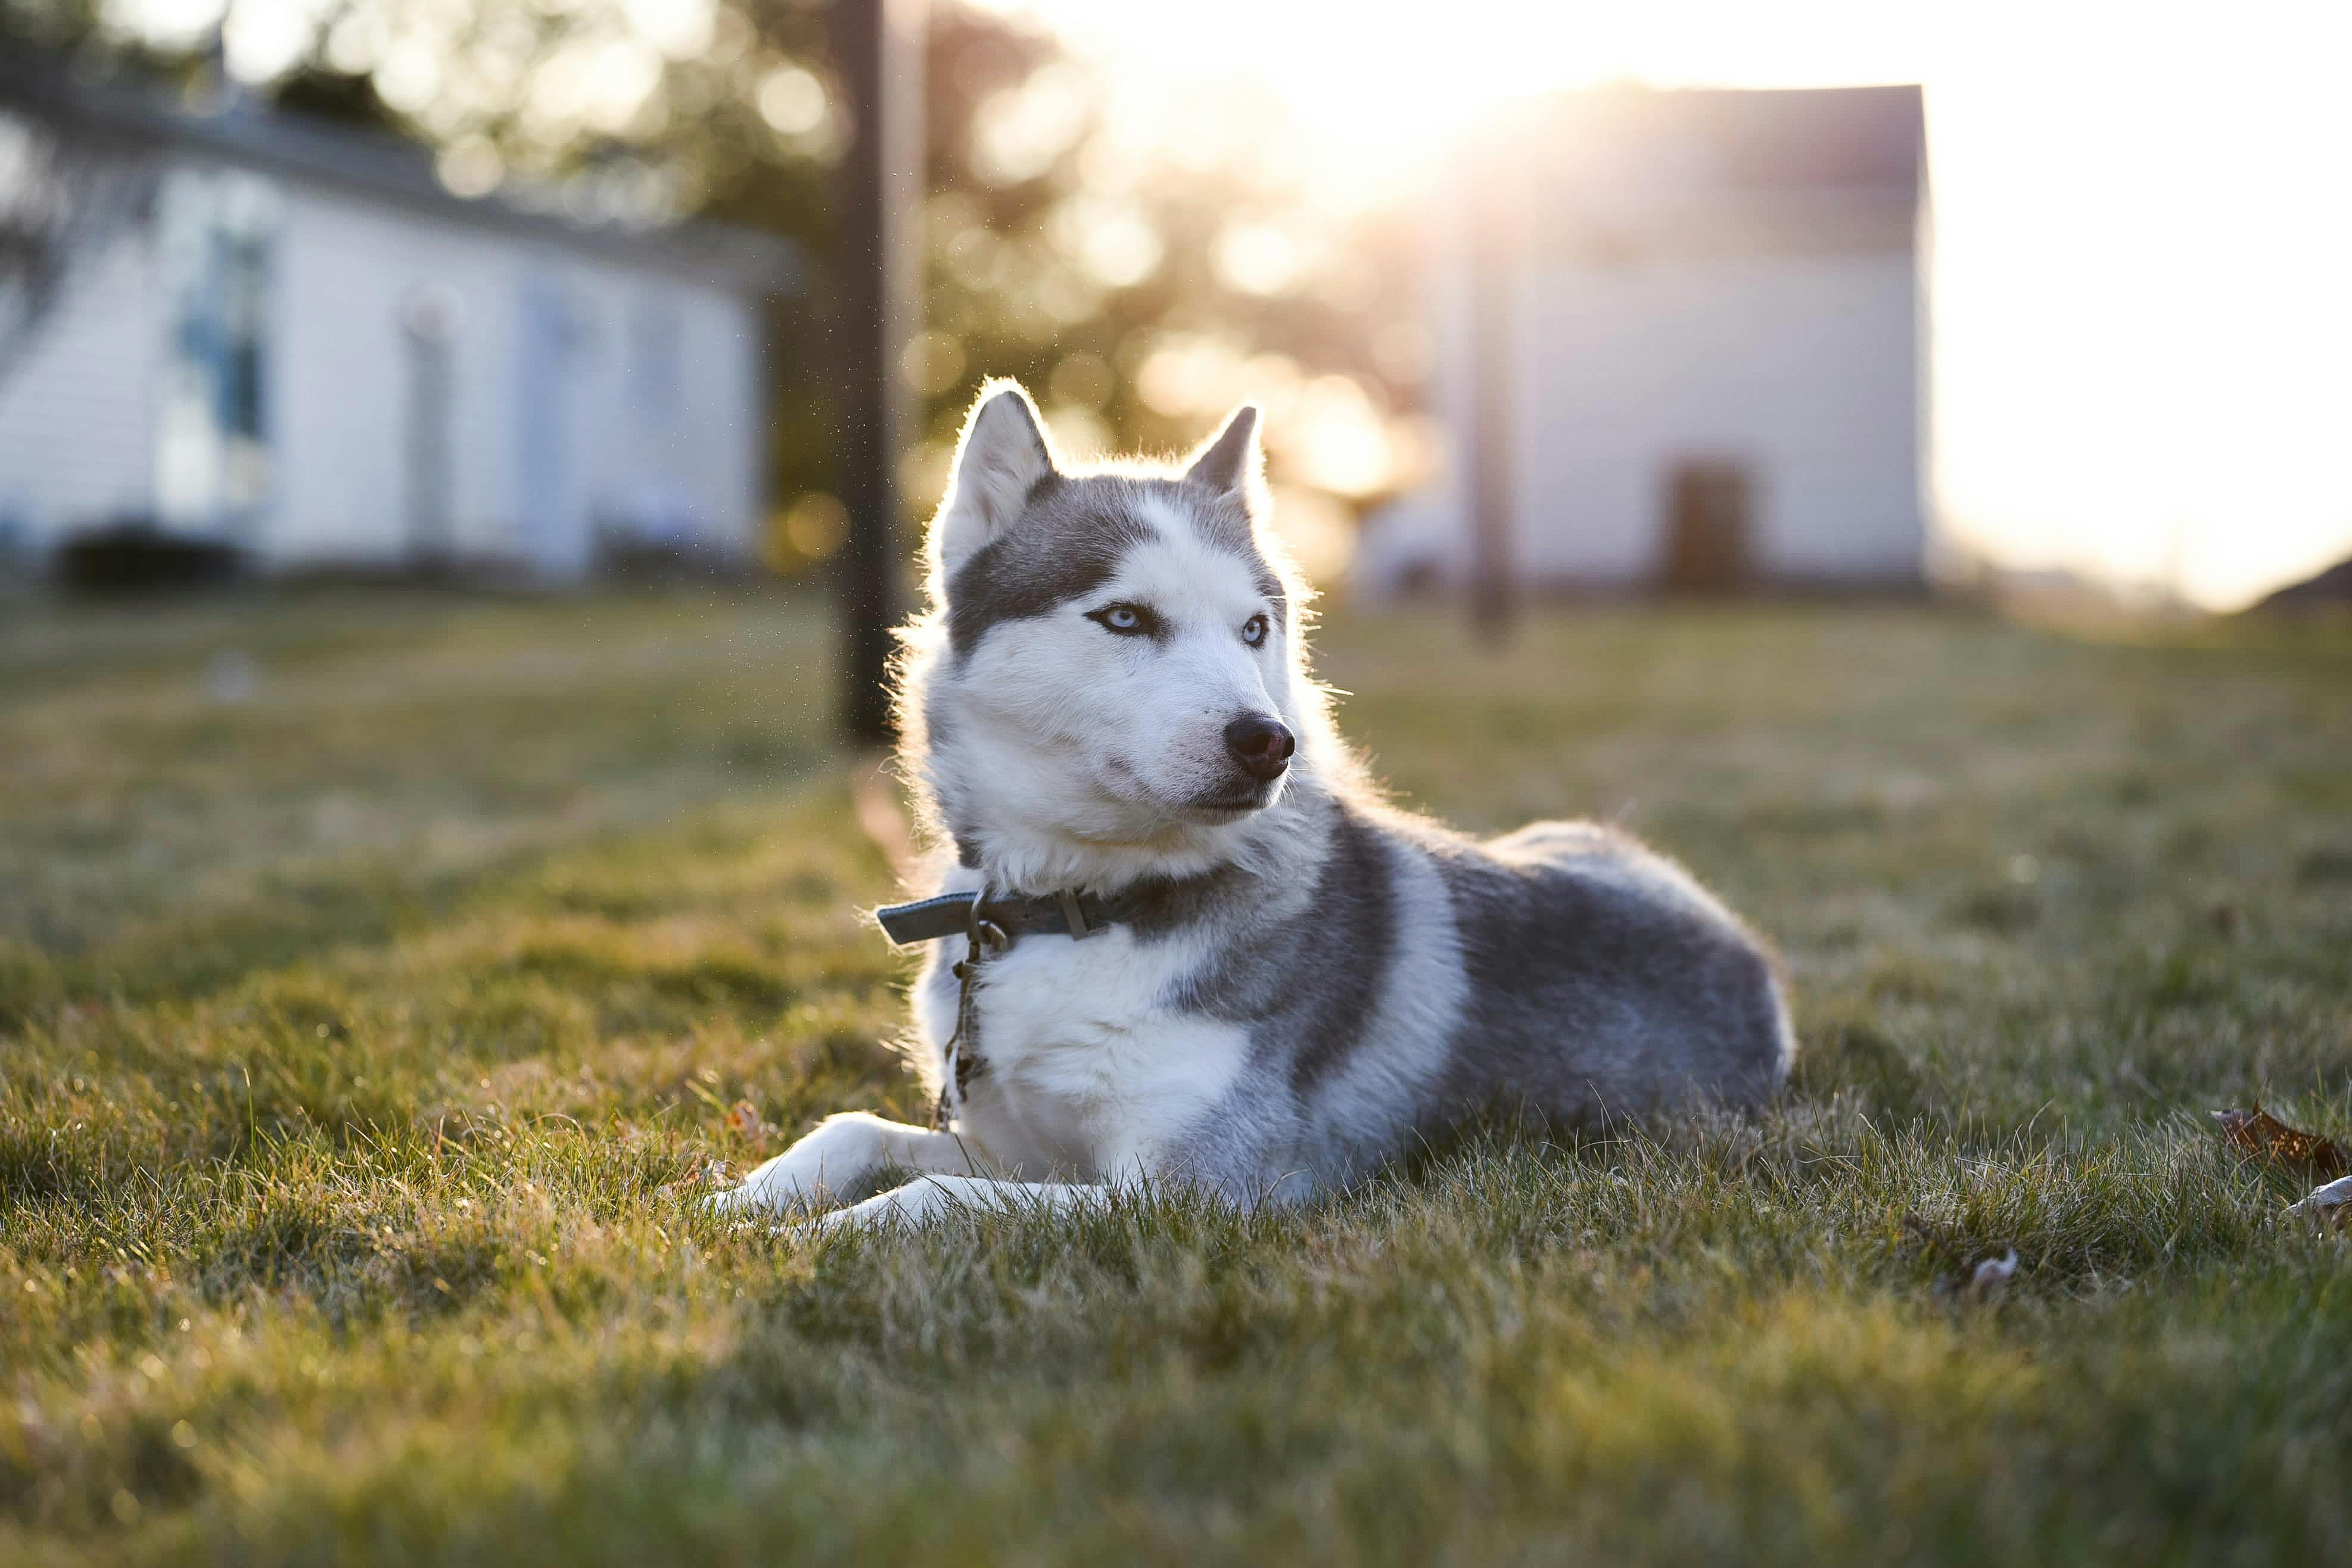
{"points": [[1699, 141], [1829, 168], [389, 169]]}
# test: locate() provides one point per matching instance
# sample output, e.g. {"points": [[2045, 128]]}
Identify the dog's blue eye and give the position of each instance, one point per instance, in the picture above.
{"points": [[1253, 630], [1127, 620]]}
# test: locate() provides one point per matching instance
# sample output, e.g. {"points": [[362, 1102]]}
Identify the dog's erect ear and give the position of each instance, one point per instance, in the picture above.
{"points": [[1232, 461], [1000, 459]]}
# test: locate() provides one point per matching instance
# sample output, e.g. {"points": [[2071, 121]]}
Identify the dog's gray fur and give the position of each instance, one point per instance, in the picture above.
{"points": [[1303, 989]]}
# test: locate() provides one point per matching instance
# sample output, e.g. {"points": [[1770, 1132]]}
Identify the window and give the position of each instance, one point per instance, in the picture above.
{"points": [[214, 234]]}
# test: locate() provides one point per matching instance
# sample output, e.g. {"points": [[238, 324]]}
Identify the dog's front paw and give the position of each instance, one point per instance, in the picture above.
{"points": [[790, 1184], [841, 1155], [910, 1205]]}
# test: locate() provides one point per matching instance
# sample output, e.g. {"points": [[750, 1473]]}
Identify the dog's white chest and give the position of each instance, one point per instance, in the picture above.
{"points": [[1082, 1066]]}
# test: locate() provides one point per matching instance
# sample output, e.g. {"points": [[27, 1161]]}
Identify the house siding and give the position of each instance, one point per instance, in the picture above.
{"points": [[77, 442], [1801, 370], [548, 429]]}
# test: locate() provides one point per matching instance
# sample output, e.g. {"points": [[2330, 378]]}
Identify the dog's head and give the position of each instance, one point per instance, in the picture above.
{"points": [[1112, 656]]}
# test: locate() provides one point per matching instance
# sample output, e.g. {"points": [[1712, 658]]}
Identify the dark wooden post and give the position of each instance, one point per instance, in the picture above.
{"points": [[1494, 386], [877, 51]]}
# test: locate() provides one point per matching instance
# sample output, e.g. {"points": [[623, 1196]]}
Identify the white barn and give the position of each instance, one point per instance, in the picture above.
{"points": [[288, 335], [1718, 349]]}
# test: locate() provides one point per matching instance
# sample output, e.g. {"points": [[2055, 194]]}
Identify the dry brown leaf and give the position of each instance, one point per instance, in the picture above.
{"points": [[2330, 1205], [745, 1118], [2261, 1136]]}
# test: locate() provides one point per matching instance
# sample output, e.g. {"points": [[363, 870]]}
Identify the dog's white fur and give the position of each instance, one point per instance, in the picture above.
{"points": [[1332, 980]]}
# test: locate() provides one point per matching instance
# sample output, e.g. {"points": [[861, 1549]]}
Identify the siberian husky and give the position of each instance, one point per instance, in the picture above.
{"points": [[1181, 939]]}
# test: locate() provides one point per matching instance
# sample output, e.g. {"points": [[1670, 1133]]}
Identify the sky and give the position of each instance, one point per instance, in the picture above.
{"points": [[2143, 274]]}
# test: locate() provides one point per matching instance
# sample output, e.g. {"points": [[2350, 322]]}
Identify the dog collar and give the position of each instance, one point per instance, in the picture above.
{"points": [[1064, 913]]}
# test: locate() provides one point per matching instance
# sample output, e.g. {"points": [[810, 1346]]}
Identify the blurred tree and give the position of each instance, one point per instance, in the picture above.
{"points": [[59, 201], [333, 95], [1141, 284]]}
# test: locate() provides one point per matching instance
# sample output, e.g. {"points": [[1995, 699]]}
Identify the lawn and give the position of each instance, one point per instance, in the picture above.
{"points": [[379, 973]]}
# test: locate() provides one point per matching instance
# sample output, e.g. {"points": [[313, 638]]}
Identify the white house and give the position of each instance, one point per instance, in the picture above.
{"points": [[1711, 360], [289, 335]]}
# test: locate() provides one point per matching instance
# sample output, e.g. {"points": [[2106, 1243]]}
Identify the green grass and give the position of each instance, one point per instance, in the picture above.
{"points": [[354, 1035]]}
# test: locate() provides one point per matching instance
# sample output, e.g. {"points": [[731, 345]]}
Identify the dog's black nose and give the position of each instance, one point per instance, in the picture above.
{"points": [[1261, 744]]}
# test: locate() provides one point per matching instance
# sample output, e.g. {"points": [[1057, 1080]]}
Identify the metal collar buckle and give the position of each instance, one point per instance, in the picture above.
{"points": [[980, 933]]}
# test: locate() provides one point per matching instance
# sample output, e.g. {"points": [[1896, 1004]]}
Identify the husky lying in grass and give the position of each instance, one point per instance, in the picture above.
{"points": [[1183, 940]]}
